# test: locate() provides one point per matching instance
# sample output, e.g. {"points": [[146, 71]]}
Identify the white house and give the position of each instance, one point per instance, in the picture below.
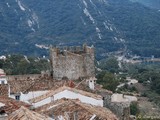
{"points": [[27, 96], [69, 93], [3, 79], [2, 57]]}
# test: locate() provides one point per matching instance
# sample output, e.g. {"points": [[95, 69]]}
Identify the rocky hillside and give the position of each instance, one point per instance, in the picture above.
{"points": [[30, 26]]}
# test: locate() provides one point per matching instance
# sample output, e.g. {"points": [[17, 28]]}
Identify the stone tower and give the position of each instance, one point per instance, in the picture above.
{"points": [[72, 62]]}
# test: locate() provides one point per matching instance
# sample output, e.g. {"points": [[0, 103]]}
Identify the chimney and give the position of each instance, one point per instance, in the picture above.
{"points": [[91, 82]]}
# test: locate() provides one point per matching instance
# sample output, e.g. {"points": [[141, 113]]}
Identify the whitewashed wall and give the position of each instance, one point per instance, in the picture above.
{"points": [[29, 95], [3, 79], [70, 95]]}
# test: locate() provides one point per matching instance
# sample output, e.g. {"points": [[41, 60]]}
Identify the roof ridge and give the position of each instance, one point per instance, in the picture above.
{"points": [[53, 92], [24, 113], [90, 109], [99, 112]]}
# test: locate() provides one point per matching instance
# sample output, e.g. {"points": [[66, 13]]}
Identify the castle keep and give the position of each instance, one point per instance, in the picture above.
{"points": [[72, 62]]}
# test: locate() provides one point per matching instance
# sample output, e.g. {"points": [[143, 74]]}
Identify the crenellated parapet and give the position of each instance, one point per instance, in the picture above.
{"points": [[73, 49]]}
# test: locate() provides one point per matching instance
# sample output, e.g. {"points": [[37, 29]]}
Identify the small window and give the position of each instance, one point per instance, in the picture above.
{"points": [[17, 97], [2, 112], [2, 82], [103, 98]]}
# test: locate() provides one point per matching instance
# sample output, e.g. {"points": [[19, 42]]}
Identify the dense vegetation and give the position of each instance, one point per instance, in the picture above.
{"points": [[108, 80], [134, 108], [18, 64], [107, 76], [109, 64], [62, 22], [148, 74]]}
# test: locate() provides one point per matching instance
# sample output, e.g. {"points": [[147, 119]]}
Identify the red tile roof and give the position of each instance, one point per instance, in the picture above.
{"points": [[11, 104], [25, 114], [69, 108], [4, 89]]}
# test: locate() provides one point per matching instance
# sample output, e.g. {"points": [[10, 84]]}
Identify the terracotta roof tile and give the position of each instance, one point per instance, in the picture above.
{"points": [[11, 104], [70, 108], [43, 83], [4, 89], [47, 83], [24, 114]]}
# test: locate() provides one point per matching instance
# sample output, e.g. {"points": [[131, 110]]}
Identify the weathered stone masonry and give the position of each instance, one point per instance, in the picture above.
{"points": [[72, 62], [121, 109]]}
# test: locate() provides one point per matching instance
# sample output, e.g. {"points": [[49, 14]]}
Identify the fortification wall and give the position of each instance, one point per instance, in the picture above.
{"points": [[72, 62], [122, 110], [69, 66], [23, 77], [89, 65]]}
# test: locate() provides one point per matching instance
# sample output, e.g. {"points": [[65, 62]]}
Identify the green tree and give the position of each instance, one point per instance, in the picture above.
{"points": [[22, 67], [18, 64], [109, 81], [1, 63], [110, 64], [134, 108]]}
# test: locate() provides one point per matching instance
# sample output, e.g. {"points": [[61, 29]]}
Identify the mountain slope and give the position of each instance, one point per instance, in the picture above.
{"points": [[150, 3], [110, 25], [16, 22]]}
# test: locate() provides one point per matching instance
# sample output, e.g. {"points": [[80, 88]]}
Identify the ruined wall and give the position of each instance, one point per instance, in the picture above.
{"points": [[72, 62], [4, 90], [23, 77], [122, 110]]}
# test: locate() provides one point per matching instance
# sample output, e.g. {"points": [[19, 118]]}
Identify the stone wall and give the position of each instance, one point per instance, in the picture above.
{"points": [[122, 110], [72, 62], [23, 77]]}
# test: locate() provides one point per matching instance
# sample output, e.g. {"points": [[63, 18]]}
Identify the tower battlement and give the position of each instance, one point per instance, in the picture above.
{"points": [[79, 50], [72, 62]]}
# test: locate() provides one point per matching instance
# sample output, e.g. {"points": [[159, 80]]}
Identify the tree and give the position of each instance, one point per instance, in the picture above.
{"points": [[18, 64], [109, 81], [110, 64], [1, 63], [22, 67], [134, 108]]}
